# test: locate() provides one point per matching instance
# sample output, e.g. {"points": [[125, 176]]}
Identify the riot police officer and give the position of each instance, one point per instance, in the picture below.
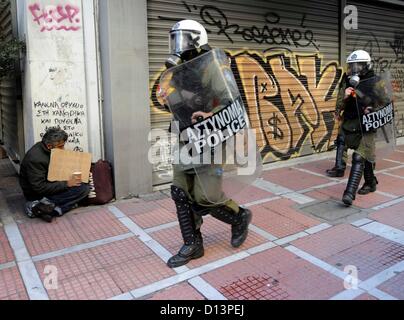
{"points": [[189, 40], [355, 105]]}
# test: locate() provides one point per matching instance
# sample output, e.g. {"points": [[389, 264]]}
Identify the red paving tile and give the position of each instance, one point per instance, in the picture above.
{"points": [[96, 225], [370, 257], [277, 224], [95, 285], [275, 274], [6, 253], [251, 194], [11, 285], [70, 230], [394, 286], [385, 164], [392, 185], [319, 167], [336, 192], [318, 195], [371, 200], [332, 241], [126, 264], [42, 237], [181, 292], [120, 252], [70, 265], [392, 216], [154, 217], [285, 207], [139, 272], [294, 179], [216, 236], [396, 156], [398, 172], [167, 204], [137, 207]]}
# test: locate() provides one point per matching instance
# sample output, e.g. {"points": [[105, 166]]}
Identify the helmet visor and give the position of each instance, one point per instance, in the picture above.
{"points": [[356, 68], [182, 40]]}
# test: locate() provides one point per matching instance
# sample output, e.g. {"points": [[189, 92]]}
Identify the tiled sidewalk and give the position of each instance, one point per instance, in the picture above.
{"points": [[119, 251]]}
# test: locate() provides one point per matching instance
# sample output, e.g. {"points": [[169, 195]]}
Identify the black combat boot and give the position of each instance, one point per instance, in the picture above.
{"points": [[193, 242], [340, 166], [354, 179], [239, 223], [370, 180]]}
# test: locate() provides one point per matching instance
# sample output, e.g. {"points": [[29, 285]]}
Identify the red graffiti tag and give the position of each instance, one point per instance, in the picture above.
{"points": [[56, 17]]}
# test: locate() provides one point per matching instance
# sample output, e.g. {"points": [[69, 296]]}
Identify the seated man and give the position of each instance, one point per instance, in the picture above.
{"points": [[47, 200]]}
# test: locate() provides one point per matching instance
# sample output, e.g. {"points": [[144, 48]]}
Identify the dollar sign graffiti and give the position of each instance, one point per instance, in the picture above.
{"points": [[274, 123]]}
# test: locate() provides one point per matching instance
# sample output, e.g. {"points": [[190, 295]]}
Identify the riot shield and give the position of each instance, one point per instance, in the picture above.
{"points": [[374, 102], [215, 142]]}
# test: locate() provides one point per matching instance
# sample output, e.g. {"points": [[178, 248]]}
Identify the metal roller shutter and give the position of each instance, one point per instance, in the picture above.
{"points": [[285, 56], [9, 116], [381, 33]]}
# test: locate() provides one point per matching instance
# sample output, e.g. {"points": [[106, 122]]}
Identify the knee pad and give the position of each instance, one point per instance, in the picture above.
{"points": [[357, 158], [179, 195]]}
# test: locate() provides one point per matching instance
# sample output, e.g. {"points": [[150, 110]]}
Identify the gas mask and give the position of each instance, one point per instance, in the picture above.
{"points": [[176, 59], [354, 80], [182, 43], [173, 61], [355, 71]]}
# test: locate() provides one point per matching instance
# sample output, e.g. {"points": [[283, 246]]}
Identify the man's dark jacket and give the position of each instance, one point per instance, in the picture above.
{"points": [[34, 174]]}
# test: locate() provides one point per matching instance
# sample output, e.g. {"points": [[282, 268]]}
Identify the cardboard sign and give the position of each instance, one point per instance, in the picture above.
{"points": [[65, 163]]}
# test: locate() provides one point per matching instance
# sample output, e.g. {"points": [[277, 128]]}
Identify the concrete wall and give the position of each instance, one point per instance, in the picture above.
{"points": [[61, 80], [124, 51]]}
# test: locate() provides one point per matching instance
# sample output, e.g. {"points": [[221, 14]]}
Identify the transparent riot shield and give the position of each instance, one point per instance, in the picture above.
{"points": [[374, 102], [215, 142]]}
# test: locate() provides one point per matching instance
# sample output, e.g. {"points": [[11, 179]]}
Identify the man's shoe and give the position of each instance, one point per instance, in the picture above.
{"points": [[239, 232], [44, 211], [45, 206]]}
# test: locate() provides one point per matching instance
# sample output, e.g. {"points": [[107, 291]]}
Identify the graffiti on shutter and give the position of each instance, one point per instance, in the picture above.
{"points": [[290, 100]]}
